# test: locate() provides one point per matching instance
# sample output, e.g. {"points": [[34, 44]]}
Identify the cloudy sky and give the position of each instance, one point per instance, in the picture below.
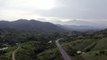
{"points": [[57, 11]]}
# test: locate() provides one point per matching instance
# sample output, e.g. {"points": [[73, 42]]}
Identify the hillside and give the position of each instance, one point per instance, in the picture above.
{"points": [[91, 46], [30, 25], [40, 44], [31, 45]]}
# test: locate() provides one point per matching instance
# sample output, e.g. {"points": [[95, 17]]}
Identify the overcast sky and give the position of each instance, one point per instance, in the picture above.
{"points": [[57, 11]]}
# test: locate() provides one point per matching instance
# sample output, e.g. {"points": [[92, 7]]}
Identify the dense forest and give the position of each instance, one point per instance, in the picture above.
{"points": [[32, 45]]}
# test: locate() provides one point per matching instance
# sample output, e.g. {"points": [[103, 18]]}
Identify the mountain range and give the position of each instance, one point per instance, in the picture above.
{"points": [[34, 25], [80, 25], [30, 25]]}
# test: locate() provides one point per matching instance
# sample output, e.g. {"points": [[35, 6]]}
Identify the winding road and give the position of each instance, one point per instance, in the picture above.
{"points": [[62, 51], [14, 52]]}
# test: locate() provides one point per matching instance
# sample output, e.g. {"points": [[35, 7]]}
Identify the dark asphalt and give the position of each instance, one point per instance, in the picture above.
{"points": [[62, 51]]}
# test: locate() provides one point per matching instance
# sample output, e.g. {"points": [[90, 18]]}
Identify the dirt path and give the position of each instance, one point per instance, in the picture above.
{"points": [[13, 54]]}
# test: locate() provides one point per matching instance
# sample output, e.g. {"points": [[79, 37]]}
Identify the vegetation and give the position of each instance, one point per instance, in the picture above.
{"points": [[32, 45], [50, 54], [91, 45], [7, 54], [41, 45]]}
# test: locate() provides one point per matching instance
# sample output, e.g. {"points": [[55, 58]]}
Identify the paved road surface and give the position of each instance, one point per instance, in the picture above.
{"points": [[62, 51], [13, 54]]}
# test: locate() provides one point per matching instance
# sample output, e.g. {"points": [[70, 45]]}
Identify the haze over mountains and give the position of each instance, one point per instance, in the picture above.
{"points": [[78, 25], [34, 25]]}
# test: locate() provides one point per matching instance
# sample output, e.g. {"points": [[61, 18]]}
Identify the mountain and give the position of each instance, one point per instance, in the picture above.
{"points": [[80, 22], [80, 28], [30, 25], [34, 25], [78, 25]]}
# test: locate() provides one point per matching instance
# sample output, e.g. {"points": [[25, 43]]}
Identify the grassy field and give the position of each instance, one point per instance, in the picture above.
{"points": [[101, 44], [99, 52], [95, 55], [91, 49]]}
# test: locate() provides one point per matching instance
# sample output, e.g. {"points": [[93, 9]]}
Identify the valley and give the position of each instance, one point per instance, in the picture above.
{"points": [[17, 44]]}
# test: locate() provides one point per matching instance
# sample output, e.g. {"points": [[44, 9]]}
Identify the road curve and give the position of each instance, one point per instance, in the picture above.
{"points": [[62, 51], [13, 54]]}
